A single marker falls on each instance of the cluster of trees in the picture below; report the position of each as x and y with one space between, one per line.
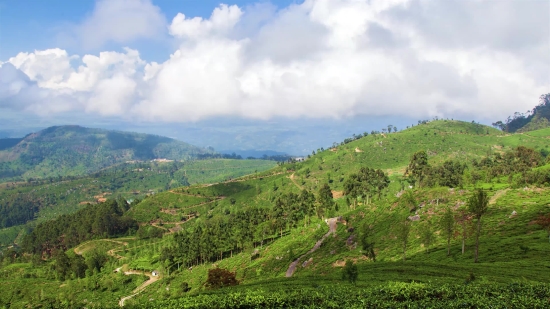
77 266
521 160
18 209
215 238
519 120
367 183
422 174
103 220
477 207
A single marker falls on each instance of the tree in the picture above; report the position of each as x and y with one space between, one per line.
409 201
418 167
325 198
428 237
367 241
219 277
478 206
62 265
403 231
447 225
350 272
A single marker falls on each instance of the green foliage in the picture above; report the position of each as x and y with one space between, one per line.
105 219
478 205
447 225
350 272
367 241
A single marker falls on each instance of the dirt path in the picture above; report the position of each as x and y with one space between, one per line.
497 195
79 252
332 229
177 225
240 180
294 181
139 289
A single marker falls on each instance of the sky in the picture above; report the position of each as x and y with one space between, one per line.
281 75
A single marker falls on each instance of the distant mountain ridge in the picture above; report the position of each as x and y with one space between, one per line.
76 150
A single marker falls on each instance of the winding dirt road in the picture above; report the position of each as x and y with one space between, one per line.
139 289
332 229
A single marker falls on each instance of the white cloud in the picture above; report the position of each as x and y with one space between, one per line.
321 58
120 21
222 20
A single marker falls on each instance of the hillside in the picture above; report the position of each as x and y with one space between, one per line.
289 233
74 150
23 205
535 119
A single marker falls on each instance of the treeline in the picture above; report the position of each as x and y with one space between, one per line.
221 236
366 183
103 220
519 165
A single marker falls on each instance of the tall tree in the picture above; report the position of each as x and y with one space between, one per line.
418 167
367 241
403 231
325 198
478 206
447 225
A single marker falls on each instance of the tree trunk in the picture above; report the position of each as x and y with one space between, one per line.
448 246
404 251
477 238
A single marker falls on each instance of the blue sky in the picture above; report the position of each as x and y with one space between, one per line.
304 73
26 25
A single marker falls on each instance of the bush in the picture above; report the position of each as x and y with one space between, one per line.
219 277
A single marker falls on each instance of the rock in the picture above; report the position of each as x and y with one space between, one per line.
414 218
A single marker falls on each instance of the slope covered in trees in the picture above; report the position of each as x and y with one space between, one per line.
75 150
22 205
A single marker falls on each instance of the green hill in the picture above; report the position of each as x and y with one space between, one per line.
23 205
272 230
75 150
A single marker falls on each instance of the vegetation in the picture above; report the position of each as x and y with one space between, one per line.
409 213
74 150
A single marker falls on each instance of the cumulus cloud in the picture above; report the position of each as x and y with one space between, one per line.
319 59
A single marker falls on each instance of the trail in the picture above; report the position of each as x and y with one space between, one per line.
240 180
497 195
332 229
177 225
79 252
139 289
294 181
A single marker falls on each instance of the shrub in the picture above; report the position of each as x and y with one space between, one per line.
219 277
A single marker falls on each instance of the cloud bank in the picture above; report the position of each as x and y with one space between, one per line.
319 59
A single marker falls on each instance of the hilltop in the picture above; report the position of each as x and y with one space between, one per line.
74 150
376 201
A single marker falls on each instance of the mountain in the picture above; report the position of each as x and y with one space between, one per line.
74 150
535 119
